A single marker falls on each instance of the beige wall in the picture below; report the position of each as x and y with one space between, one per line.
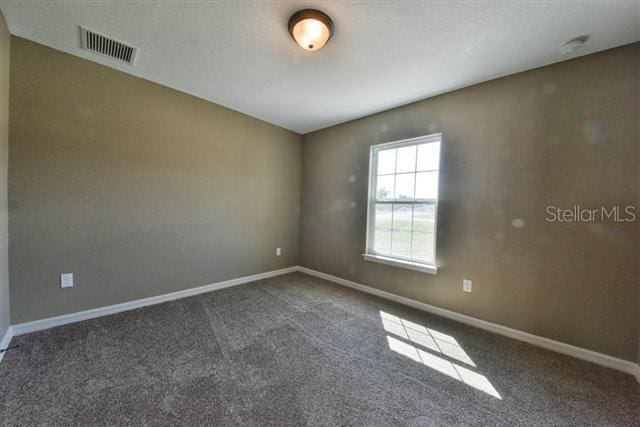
141 190
563 134
4 153
137 189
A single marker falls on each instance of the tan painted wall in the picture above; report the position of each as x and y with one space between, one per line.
141 190
5 41
563 134
136 188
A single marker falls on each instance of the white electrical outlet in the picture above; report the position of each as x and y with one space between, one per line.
278 251
467 285
66 280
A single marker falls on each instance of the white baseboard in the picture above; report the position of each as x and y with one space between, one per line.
39 325
557 346
580 353
6 341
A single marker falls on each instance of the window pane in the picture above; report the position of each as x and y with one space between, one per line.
429 156
382 241
402 217
426 185
386 161
404 186
424 217
401 243
383 216
384 190
406 159
422 247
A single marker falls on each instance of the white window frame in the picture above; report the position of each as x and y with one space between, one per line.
370 254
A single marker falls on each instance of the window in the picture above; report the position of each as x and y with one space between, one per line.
403 203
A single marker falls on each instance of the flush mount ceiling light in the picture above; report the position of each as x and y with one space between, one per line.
310 28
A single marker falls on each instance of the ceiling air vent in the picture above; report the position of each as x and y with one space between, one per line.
107 46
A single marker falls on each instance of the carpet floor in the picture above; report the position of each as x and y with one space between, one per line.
297 350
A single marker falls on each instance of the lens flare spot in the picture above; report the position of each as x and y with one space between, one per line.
518 223
593 131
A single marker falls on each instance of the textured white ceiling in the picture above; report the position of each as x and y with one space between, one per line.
383 54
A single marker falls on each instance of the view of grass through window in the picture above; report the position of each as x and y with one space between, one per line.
405 200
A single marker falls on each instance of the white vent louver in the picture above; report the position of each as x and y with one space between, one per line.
107 46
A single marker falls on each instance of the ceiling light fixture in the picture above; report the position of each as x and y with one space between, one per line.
310 28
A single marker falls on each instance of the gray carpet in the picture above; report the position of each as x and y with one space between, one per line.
296 350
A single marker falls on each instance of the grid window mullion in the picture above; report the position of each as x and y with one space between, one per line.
403 202
392 229
395 176
413 207
411 241
411 233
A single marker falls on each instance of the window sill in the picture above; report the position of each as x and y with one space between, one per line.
425 268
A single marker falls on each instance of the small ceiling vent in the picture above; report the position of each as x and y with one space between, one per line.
107 46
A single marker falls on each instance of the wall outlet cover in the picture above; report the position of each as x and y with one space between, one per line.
467 285
66 280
